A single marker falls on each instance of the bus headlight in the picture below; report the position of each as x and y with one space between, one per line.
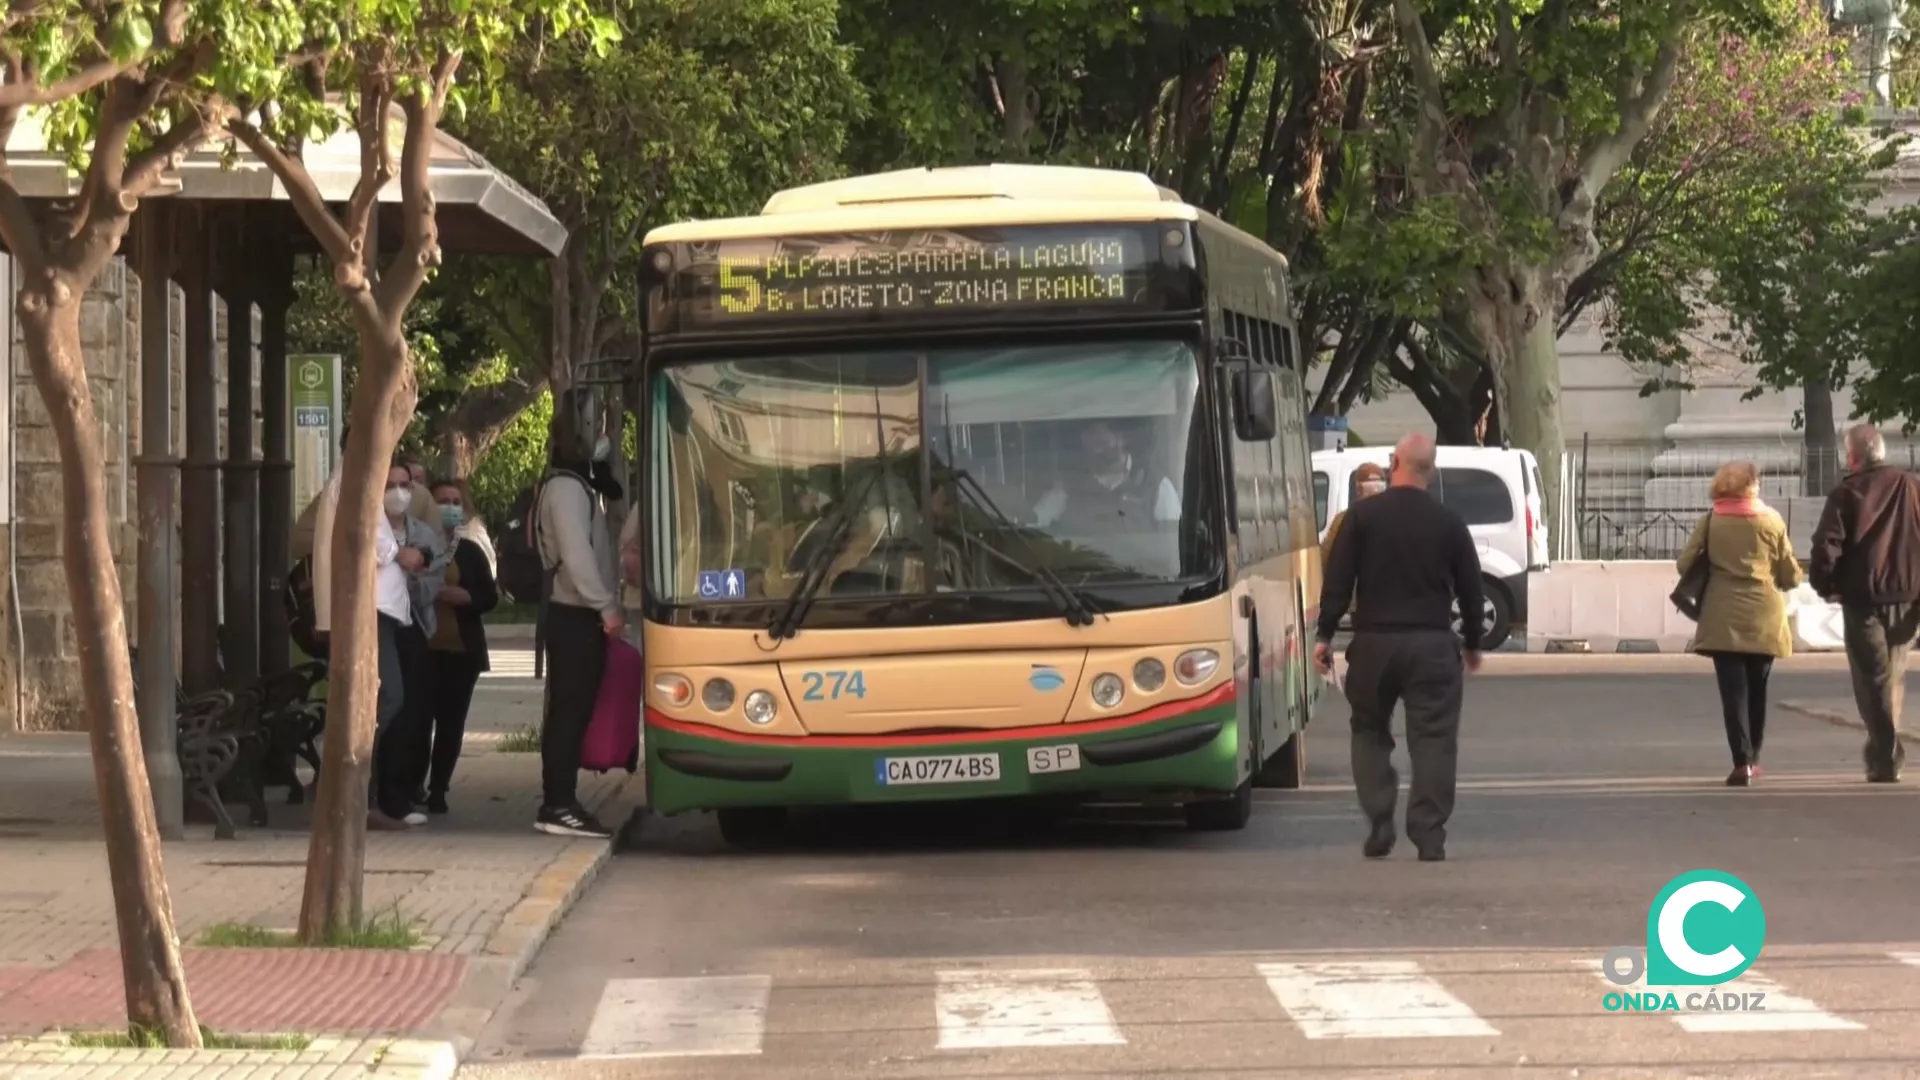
761 708
717 695
1149 675
1196 666
1107 691
677 690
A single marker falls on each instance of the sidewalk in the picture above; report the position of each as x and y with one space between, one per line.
479 885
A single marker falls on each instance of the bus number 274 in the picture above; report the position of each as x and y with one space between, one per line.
843 684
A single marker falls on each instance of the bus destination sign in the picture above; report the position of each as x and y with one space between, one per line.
920 272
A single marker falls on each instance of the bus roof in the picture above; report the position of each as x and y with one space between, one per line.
957 196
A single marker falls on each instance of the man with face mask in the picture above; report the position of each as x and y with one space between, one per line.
1110 485
582 612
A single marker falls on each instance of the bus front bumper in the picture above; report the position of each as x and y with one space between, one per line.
1195 750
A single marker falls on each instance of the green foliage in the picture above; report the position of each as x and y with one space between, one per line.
1749 155
515 460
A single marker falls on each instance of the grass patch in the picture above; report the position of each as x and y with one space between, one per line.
138 1038
387 931
524 741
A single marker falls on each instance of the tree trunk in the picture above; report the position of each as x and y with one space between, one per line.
156 984
1822 469
478 420
1513 322
383 401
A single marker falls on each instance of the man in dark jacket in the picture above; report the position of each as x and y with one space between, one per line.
1404 560
1866 558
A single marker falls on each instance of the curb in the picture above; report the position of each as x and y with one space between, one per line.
53 1057
511 948
1838 719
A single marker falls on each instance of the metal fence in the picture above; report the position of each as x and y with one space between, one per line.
1633 501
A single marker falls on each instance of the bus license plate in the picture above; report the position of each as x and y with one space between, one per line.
946 769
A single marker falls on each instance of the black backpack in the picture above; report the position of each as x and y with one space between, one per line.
523 573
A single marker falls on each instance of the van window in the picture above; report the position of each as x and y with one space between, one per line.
1477 495
1321 485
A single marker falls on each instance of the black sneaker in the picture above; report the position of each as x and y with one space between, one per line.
570 821
437 803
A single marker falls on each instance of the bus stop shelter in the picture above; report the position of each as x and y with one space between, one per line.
228 230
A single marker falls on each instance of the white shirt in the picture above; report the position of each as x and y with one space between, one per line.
389 577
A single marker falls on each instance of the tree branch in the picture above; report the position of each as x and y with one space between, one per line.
376 168
1431 123
301 192
145 170
1637 111
419 234
29 92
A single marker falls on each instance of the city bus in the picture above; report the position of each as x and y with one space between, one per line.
972 483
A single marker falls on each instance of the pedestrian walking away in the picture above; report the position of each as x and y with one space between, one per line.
1866 558
1403 559
582 613
1749 568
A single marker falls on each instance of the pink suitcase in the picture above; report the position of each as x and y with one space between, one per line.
613 736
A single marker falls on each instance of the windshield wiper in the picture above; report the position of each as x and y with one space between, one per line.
838 522
1078 609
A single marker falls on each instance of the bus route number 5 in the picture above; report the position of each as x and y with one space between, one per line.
844 684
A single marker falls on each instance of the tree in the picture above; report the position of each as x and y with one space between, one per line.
379 57
1520 118
710 107
1820 291
124 91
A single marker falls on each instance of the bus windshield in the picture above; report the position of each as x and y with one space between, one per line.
952 470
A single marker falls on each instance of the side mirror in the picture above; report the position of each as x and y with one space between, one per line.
1255 412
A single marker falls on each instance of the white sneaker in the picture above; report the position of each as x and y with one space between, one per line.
416 818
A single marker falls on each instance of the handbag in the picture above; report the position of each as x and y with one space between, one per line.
1690 595
612 738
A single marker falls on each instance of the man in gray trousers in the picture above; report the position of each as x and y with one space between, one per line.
1866 558
1404 558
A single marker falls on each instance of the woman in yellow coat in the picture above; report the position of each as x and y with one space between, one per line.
1743 619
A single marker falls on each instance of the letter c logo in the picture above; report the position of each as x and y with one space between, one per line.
1673 933
1740 922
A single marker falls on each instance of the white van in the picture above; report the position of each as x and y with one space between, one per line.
1497 491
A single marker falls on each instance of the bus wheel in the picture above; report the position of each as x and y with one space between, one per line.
752 826
1222 815
1287 768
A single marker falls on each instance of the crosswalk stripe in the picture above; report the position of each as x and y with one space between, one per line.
1780 1011
704 1016
979 1009
1379 999
1783 1012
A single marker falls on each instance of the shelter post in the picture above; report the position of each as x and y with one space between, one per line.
200 482
240 638
159 519
275 294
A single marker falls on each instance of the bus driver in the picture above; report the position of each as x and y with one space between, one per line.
1109 483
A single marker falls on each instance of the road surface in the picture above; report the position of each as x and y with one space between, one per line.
942 946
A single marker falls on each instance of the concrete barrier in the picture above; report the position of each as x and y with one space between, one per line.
1622 606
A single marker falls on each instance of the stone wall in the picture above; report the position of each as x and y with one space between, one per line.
46 684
